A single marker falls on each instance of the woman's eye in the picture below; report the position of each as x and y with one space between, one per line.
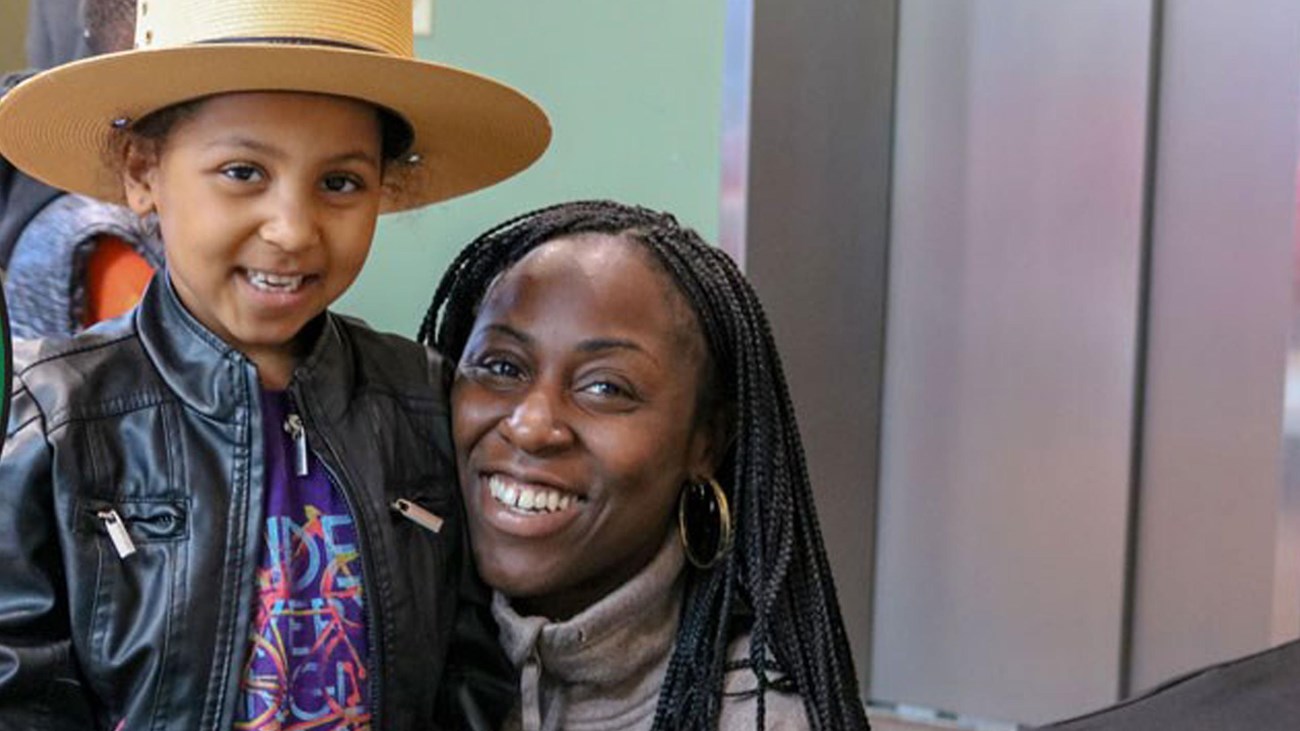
342 183
494 370
242 173
609 392
503 368
604 388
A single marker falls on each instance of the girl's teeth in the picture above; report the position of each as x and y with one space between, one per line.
528 498
275 282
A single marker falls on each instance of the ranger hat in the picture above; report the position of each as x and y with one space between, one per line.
468 131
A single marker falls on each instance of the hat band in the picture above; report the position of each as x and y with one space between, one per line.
293 41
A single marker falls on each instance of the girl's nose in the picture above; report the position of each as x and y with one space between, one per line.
533 425
291 225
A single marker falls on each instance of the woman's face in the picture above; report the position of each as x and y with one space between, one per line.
574 411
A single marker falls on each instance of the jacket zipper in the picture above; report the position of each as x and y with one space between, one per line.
373 611
117 532
293 425
424 518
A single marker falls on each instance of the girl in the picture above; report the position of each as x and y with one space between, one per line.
635 483
233 508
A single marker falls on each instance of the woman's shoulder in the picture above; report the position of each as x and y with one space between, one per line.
394 357
783 710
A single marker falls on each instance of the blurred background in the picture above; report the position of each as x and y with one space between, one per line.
1032 266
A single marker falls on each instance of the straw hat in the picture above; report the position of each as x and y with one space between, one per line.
469 131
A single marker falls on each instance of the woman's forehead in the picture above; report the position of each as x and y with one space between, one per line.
602 280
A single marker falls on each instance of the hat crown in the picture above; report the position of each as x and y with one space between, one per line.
376 25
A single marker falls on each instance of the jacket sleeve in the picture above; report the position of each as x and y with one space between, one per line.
39 684
480 685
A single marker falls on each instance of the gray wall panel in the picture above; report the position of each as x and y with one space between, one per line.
1015 261
1225 196
818 218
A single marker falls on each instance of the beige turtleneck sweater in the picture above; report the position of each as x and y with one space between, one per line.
601 670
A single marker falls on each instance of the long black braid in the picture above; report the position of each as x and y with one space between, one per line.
776 582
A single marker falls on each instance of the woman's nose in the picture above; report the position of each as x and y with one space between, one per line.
534 426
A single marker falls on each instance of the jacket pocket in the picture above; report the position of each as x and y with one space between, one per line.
145 521
136 602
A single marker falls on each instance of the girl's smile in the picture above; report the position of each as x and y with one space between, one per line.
267 204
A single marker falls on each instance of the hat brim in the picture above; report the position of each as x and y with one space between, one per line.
469 131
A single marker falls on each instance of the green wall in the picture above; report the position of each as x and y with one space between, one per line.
633 90
13 32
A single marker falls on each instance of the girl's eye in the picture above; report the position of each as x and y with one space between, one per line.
342 183
242 172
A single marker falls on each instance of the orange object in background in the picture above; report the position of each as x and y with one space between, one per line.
115 279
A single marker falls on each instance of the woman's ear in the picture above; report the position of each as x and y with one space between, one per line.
139 177
711 441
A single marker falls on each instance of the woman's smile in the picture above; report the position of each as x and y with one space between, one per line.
526 509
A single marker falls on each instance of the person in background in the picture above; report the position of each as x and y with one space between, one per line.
634 481
70 260
1259 692
233 508
56 33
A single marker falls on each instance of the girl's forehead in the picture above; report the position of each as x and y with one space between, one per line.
308 123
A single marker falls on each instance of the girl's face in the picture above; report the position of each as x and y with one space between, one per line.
267 204
574 421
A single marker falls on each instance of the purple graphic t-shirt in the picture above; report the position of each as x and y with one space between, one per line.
306 664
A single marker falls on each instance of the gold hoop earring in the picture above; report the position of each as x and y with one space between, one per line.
704 522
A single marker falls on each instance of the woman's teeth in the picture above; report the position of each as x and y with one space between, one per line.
528 498
268 282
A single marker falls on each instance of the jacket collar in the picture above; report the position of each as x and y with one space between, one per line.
214 378
617 640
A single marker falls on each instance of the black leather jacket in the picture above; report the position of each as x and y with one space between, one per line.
155 418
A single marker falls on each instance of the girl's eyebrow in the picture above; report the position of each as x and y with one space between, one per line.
272 151
246 142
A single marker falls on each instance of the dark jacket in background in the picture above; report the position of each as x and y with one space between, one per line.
54 36
21 197
54 33
1260 692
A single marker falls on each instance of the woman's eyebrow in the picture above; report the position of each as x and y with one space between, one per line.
591 345
510 332
597 344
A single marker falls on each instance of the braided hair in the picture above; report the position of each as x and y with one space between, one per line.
776 582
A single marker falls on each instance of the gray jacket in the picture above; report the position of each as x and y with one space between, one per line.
602 669
45 283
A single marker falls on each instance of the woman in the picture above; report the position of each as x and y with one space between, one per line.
619 413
